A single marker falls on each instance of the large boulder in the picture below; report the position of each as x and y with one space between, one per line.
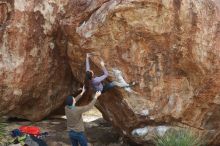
35 75
169 47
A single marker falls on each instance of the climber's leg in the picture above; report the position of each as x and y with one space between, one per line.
107 87
123 85
111 85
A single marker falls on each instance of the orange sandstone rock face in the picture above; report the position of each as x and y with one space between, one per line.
34 73
169 47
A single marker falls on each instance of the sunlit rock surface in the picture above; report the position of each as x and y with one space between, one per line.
34 73
170 48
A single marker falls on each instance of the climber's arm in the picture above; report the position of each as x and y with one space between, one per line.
87 62
105 75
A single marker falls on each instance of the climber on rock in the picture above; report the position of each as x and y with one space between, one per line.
96 82
75 126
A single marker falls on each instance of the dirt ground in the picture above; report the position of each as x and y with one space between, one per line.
98 131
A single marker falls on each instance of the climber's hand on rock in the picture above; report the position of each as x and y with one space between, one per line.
102 63
88 55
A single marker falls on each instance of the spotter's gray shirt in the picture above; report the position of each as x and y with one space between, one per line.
74 116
